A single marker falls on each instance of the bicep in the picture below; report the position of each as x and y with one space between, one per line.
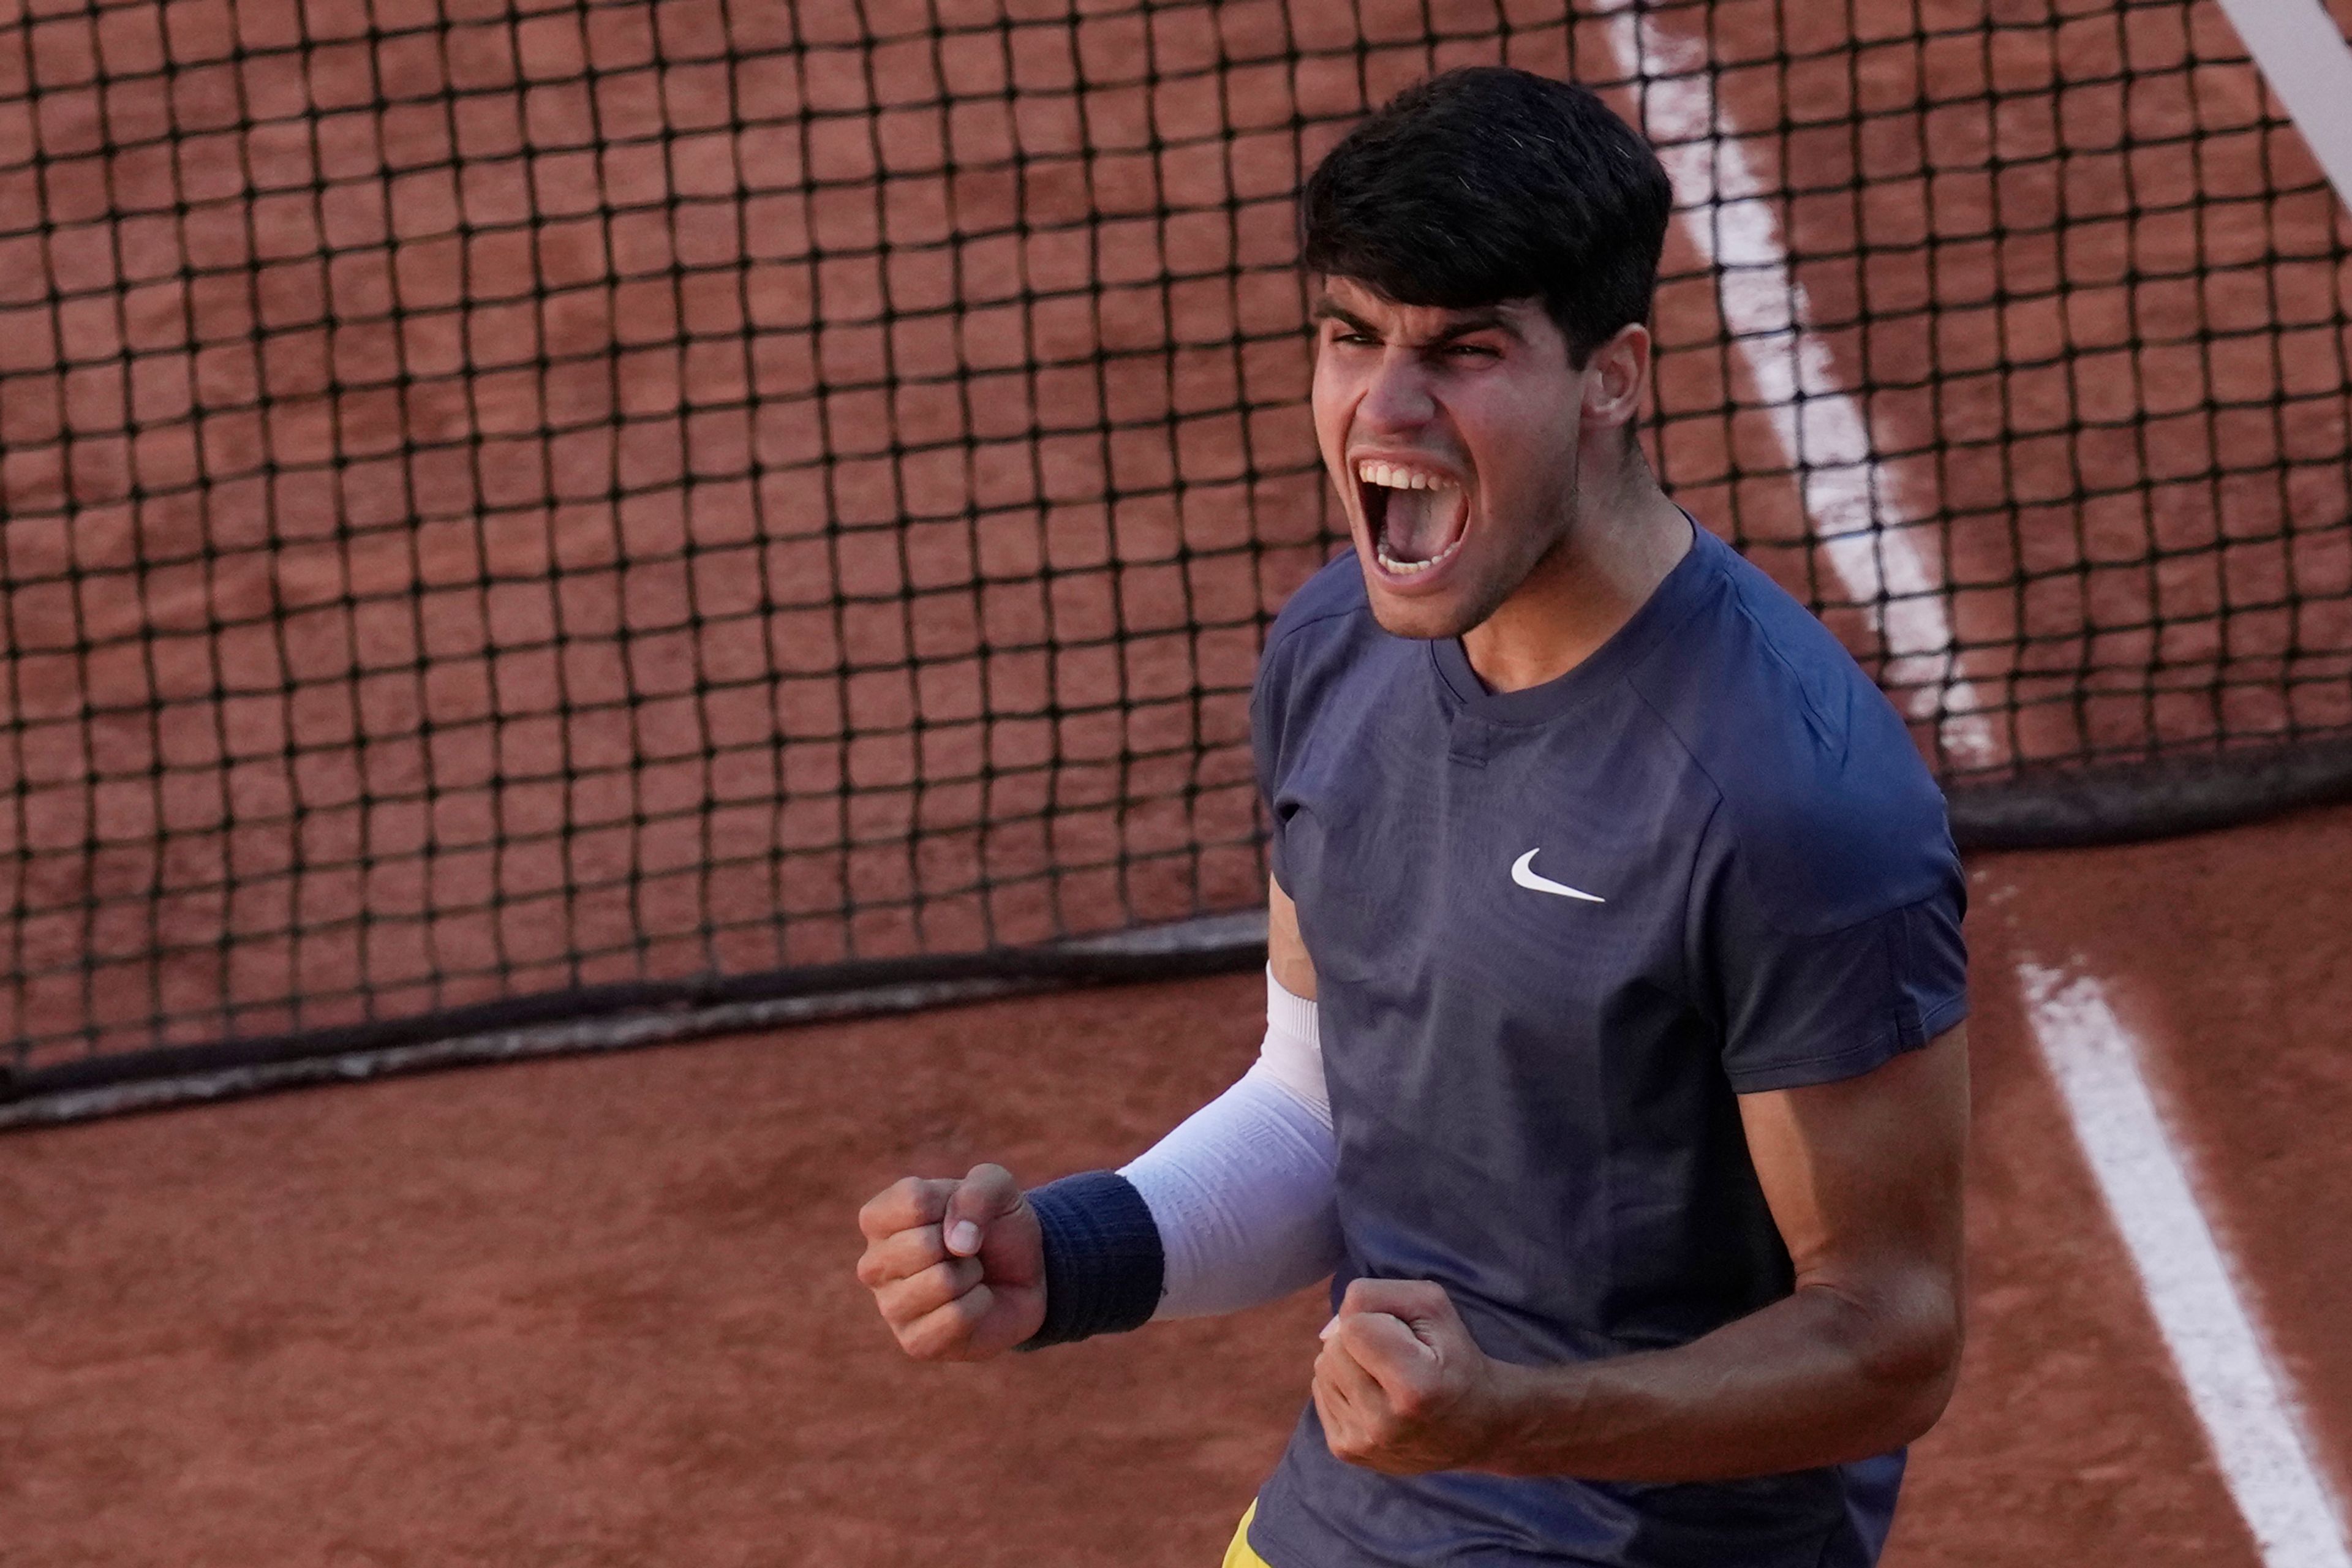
1864 1175
1285 950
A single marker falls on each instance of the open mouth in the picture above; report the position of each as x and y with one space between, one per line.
1418 518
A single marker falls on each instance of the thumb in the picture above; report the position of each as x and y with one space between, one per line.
1410 1299
1383 1344
984 1197
1421 1303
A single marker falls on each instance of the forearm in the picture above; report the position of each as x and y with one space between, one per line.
1819 1377
1243 1192
1242 1197
1235 1207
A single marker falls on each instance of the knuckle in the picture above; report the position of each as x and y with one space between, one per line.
927 1337
899 1302
933 1286
890 1209
924 1291
879 1269
891 1304
992 1188
895 1321
944 1334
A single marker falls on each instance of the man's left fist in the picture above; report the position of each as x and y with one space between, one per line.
1400 1385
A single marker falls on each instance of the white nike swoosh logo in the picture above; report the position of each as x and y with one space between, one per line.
1523 873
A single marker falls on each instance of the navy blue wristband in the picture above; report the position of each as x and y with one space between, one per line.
1103 1262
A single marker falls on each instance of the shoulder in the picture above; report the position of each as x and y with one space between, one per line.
1326 620
1827 812
1335 593
1326 676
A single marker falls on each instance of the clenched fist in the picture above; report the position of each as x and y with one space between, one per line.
958 1268
1400 1385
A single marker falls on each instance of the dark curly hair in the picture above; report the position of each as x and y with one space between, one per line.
1490 183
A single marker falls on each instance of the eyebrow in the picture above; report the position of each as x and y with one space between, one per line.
1486 318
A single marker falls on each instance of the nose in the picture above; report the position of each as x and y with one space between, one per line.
1398 397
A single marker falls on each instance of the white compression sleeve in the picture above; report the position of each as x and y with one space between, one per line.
1242 1191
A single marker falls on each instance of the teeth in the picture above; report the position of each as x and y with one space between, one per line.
1407 568
1395 477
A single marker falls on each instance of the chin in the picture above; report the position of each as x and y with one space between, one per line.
1439 610
1417 618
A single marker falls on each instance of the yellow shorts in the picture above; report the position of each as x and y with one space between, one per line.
1239 1556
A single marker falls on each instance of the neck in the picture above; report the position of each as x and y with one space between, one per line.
1611 557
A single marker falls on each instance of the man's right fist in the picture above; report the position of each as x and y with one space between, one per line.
958 1268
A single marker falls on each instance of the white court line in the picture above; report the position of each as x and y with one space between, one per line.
1849 495
2303 55
2235 1385
2238 1393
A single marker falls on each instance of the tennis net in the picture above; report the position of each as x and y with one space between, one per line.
522 512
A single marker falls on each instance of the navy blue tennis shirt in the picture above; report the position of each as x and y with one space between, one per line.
1556 932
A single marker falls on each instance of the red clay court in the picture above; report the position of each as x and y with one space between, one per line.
600 1310
531 528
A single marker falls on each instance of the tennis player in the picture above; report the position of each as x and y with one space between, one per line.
1613 1069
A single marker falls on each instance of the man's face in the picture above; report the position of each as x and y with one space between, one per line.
1451 437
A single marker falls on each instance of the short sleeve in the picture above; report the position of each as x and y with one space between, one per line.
1795 1005
1308 642
1265 749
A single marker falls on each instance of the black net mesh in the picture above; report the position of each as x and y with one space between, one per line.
507 499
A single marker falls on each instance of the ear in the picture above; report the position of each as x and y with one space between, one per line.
1617 377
